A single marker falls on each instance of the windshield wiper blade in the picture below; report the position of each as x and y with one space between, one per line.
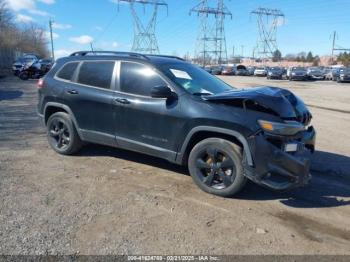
201 94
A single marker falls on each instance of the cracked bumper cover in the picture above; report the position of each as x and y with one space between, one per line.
276 169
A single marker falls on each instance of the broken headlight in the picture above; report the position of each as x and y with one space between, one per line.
287 128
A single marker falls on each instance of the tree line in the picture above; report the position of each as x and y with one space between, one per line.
21 38
300 57
344 58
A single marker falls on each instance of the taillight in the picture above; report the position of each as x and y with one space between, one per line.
40 83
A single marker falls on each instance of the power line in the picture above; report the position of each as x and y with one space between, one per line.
334 48
144 36
267 22
211 41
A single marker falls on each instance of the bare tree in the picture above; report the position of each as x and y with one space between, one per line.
32 39
15 38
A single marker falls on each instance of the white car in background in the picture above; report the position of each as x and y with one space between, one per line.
260 71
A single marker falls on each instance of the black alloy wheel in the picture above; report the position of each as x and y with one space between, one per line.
215 168
215 165
62 134
59 134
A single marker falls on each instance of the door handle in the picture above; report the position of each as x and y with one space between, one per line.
72 92
122 100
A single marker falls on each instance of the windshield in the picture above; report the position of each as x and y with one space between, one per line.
299 69
194 79
45 61
275 69
25 60
315 69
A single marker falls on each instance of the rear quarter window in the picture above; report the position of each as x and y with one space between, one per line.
97 74
67 71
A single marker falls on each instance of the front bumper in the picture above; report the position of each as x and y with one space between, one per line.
275 76
16 70
299 77
260 74
316 77
276 169
344 78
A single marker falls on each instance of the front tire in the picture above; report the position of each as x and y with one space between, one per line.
62 134
215 165
24 75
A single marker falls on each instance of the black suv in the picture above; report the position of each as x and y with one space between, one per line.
166 107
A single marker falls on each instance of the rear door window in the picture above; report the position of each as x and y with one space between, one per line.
67 71
97 74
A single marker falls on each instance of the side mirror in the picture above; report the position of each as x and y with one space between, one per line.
161 92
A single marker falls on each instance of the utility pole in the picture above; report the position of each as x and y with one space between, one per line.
334 48
144 36
51 36
233 51
267 22
242 46
333 45
211 40
92 48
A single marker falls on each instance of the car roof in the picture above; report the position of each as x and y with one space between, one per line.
130 56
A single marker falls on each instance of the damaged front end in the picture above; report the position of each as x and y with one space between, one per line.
280 149
281 162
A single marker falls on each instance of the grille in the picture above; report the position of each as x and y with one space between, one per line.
305 118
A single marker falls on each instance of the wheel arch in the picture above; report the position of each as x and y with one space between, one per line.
54 107
197 134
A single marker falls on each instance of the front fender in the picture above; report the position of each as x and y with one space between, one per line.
180 155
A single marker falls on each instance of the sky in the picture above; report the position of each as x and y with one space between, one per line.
308 25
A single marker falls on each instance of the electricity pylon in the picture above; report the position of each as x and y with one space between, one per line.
211 40
145 40
267 21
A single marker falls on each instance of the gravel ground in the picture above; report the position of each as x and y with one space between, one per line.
110 201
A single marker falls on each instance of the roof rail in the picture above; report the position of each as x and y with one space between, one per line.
169 56
89 53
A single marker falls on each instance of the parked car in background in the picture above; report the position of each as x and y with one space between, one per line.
326 72
27 59
284 71
241 70
298 73
208 69
46 64
333 74
216 70
228 71
251 70
260 71
32 70
344 75
274 73
315 73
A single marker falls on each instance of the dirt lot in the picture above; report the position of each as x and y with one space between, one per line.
109 201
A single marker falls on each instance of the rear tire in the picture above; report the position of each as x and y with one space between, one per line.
215 165
62 134
23 76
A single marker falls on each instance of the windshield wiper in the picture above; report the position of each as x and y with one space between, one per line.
201 94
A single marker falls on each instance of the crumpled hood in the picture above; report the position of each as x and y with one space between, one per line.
18 64
281 101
